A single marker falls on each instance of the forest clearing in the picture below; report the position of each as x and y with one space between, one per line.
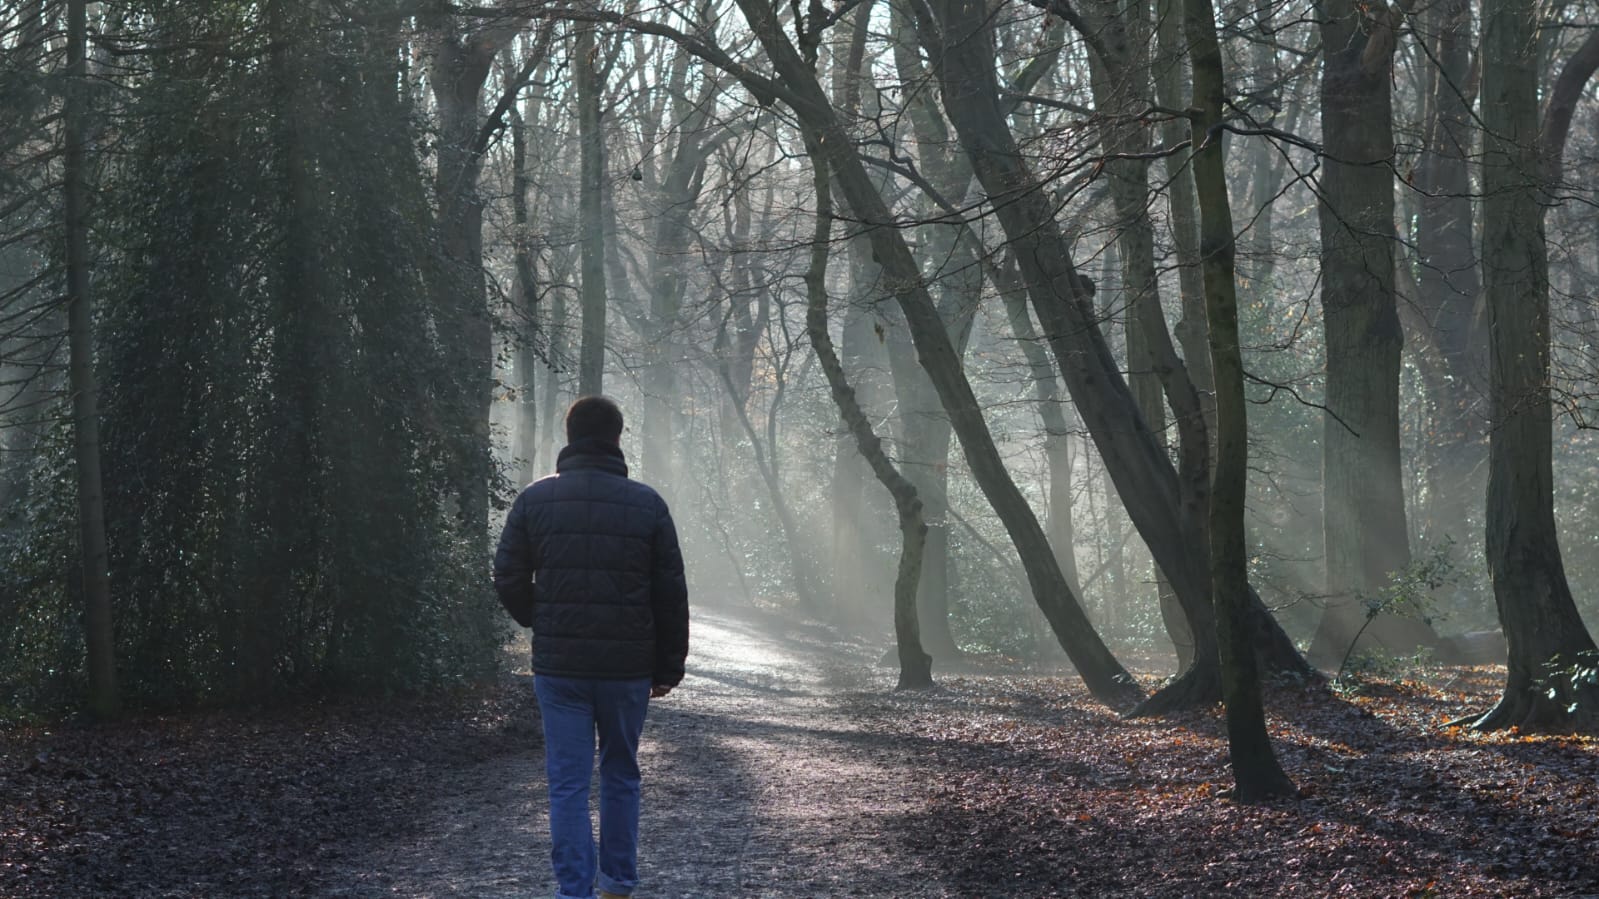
787 766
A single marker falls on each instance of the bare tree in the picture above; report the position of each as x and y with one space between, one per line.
915 665
1364 532
591 148
798 88
1255 767
1540 618
1449 341
464 51
1168 511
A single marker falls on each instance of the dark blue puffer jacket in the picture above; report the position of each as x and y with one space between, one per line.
598 555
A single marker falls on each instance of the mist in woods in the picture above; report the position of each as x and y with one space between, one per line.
1097 431
974 330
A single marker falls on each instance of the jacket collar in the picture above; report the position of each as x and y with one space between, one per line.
592 454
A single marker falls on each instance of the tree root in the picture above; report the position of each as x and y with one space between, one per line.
1263 789
1530 709
915 673
1197 687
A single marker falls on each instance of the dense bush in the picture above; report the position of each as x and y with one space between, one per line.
278 434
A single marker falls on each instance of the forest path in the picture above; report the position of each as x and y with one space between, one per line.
761 778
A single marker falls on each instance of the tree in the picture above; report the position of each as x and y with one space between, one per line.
1540 618
1255 767
1168 511
952 251
1364 531
95 563
462 59
1450 342
280 435
915 665
688 148
591 144
525 288
1121 83
798 88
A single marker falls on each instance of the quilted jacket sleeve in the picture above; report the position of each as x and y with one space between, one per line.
514 566
669 598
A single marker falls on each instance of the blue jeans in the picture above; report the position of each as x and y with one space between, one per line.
574 710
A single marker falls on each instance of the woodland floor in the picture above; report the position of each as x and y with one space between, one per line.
788 767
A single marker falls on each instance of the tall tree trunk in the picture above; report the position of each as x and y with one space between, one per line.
1449 286
524 296
95 560
1254 763
1115 596
925 438
1540 619
1365 538
665 276
460 67
559 349
739 332
1101 673
591 149
915 665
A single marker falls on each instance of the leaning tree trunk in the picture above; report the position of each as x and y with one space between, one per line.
1540 619
103 700
915 665
1101 673
1168 512
1255 768
1121 84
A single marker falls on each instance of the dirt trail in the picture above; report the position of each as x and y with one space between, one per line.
759 781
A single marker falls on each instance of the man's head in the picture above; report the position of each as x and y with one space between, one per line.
594 418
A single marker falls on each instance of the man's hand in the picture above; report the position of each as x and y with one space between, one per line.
659 690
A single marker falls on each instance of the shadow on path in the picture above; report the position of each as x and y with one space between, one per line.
758 782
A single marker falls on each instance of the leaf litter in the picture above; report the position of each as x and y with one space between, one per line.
1000 783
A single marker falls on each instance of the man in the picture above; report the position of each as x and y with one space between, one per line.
590 559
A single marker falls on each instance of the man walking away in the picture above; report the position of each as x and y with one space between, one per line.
591 559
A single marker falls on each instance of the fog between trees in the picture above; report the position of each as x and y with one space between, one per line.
1291 342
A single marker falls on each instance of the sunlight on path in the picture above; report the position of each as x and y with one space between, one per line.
756 784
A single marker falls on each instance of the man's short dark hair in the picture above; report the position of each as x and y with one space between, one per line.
594 418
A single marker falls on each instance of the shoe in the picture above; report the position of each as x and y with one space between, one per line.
608 895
